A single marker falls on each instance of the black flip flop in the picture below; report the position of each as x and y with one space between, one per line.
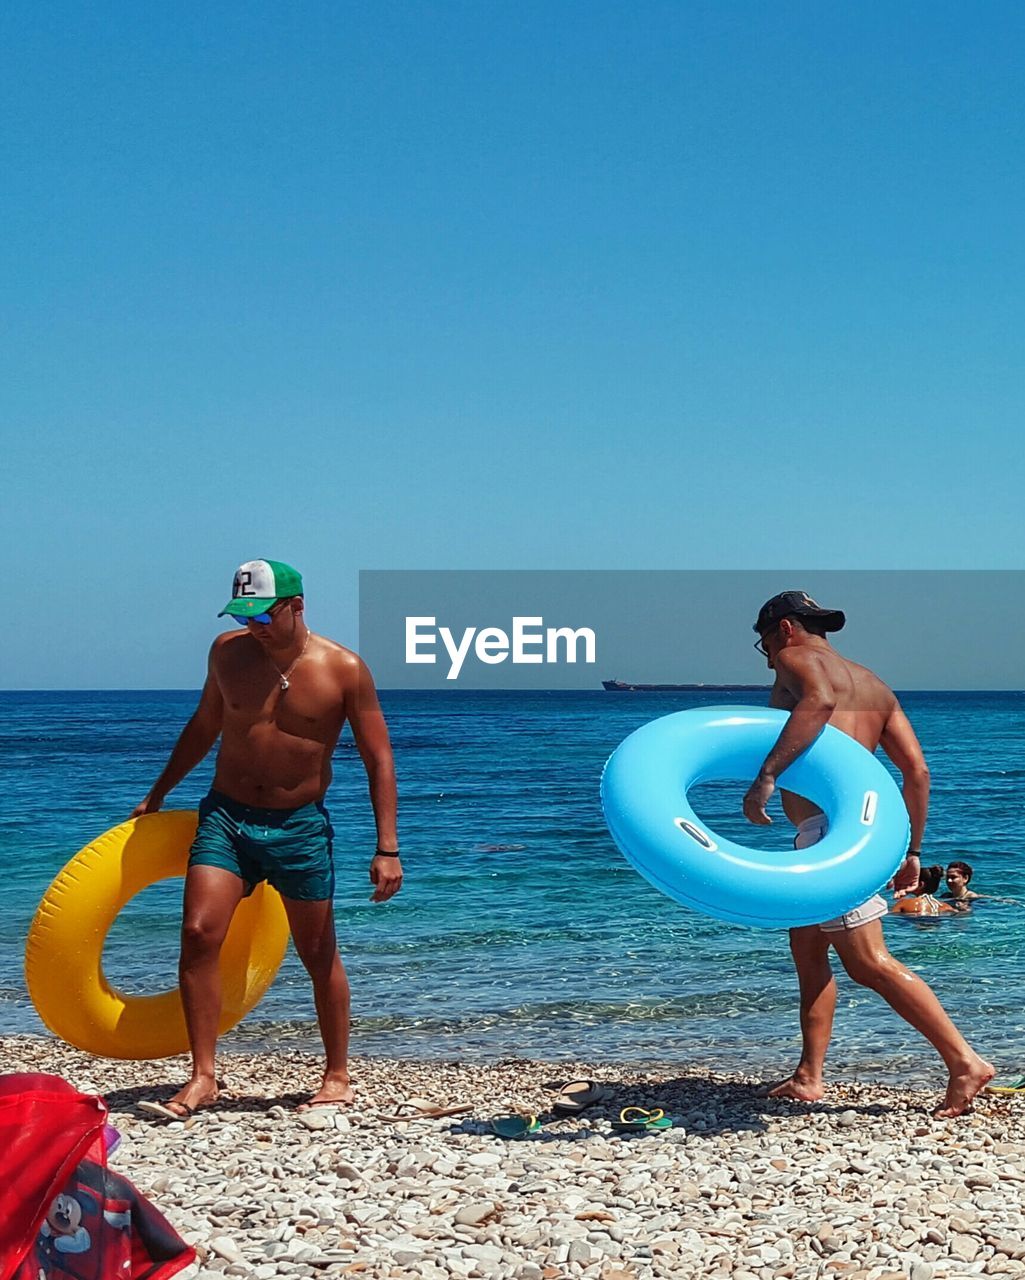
165 1112
578 1095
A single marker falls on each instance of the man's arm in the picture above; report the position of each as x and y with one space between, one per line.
196 739
371 735
901 744
802 677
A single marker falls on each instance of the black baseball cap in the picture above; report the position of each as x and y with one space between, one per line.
796 604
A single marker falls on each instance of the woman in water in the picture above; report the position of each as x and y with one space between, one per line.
958 876
924 903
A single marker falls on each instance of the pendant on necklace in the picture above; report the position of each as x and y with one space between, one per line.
284 684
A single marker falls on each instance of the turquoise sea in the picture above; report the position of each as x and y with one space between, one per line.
521 931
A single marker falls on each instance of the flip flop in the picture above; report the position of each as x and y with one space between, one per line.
1013 1086
641 1120
164 1111
339 1105
516 1126
578 1095
423 1110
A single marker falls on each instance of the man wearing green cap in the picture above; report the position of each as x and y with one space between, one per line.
277 696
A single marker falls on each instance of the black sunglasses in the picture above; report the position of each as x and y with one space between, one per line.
760 642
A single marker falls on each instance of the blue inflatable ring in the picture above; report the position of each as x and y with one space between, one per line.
644 790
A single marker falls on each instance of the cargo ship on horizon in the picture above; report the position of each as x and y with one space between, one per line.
622 686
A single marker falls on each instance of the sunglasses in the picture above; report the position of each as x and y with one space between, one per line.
760 642
259 617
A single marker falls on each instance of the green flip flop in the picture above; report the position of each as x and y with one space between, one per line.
515 1126
641 1120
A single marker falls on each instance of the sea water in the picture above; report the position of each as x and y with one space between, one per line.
521 931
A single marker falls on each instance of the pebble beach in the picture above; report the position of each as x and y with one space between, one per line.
864 1185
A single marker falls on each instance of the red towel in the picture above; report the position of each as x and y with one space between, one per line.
63 1214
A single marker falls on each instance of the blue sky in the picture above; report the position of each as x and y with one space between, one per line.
456 285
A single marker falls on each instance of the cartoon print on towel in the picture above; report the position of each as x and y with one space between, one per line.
100 1228
80 1240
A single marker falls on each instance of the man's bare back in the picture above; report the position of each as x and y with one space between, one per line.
864 707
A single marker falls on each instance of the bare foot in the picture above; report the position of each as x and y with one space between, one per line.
962 1088
201 1091
798 1089
333 1092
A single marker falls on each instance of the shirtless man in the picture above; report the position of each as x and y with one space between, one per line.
819 687
278 696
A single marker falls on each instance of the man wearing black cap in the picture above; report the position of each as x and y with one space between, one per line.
819 687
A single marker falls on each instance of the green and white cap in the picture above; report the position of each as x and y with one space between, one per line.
258 585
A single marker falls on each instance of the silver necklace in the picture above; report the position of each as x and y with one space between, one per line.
283 675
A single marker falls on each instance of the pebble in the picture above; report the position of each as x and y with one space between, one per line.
965 1248
483 1252
316 1119
866 1187
472 1214
226 1248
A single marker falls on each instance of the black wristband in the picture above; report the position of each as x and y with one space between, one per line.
384 853
913 853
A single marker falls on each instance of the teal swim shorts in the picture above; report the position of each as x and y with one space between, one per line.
289 848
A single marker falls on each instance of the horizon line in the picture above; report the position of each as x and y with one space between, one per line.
714 687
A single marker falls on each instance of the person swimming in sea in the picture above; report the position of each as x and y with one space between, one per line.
924 902
958 877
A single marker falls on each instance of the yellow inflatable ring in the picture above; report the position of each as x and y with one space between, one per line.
64 952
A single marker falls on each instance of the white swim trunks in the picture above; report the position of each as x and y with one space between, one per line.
810 832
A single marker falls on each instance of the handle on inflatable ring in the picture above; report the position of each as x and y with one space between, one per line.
644 790
64 951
